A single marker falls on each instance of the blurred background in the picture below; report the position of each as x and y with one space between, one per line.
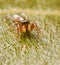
31 4
29 49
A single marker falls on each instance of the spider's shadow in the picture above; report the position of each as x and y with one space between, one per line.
27 38
28 35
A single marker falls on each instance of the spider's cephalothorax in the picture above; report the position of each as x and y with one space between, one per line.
23 24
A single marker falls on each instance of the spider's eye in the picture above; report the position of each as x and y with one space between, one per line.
16 16
21 19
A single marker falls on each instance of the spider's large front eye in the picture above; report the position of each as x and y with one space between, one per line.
21 19
16 16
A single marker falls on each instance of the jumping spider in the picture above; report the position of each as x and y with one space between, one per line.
24 25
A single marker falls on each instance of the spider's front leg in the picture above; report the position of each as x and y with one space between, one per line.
38 30
18 30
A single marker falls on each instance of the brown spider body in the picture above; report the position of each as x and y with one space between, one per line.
24 25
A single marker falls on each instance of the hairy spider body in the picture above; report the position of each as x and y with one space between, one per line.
24 25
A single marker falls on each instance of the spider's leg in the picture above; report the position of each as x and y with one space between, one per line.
9 27
38 30
18 30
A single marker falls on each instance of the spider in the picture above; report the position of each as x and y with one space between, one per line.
24 25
